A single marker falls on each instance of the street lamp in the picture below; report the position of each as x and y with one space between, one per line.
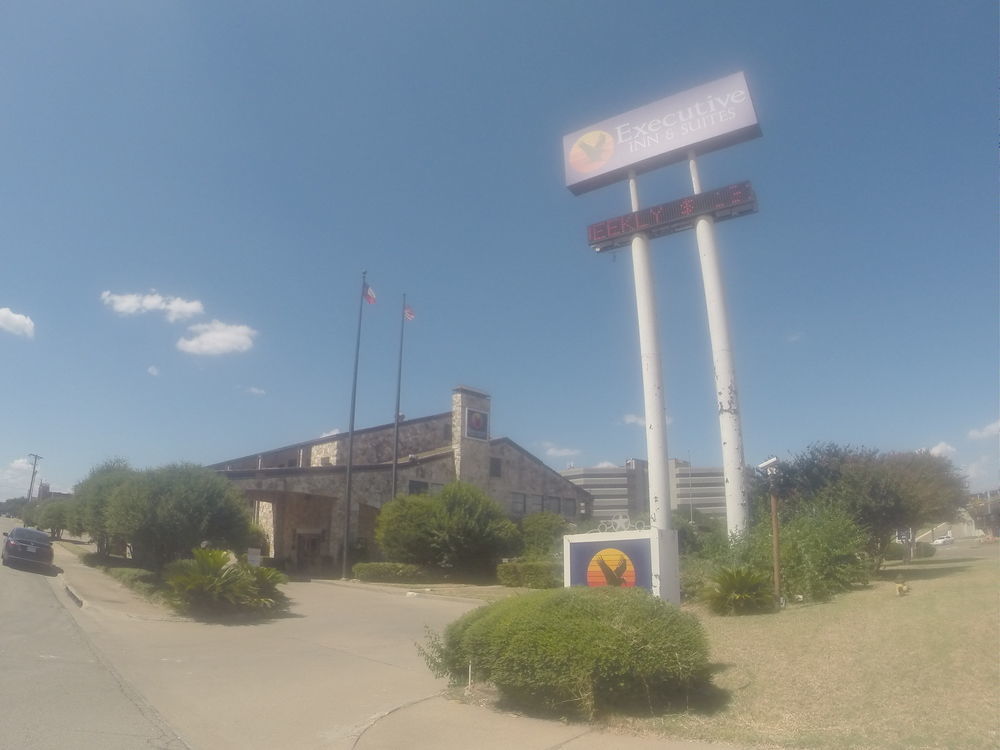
770 466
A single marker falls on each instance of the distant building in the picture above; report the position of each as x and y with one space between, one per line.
624 490
45 493
617 490
297 492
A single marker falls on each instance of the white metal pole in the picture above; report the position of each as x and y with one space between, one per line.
733 465
666 583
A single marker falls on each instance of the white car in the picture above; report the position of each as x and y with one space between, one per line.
943 540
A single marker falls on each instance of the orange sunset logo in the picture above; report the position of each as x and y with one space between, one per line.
591 151
611 567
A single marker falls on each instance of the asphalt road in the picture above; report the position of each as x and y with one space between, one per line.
56 691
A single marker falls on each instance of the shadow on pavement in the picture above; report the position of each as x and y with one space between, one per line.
50 571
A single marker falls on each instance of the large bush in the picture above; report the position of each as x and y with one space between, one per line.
165 512
460 529
576 650
822 552
92 496
405 529
543 533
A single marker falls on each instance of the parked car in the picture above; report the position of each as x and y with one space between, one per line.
27 545
943 540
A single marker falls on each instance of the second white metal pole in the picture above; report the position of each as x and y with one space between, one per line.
666 583
730 426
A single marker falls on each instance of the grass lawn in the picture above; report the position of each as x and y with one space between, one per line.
868 669
146 583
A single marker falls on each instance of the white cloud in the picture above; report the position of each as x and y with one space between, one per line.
217 338
19 325
983 473
175 308
942 449
153 370
554 451
14 478
989 431
794 338
254 391
334 431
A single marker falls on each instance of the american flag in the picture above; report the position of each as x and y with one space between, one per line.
369 295
408 312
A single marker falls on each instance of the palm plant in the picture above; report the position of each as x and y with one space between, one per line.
738 591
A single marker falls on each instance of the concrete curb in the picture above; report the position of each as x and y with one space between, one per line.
73 595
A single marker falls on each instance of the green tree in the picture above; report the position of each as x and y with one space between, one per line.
881 492
93 494
460 528
543 533
164 513
54 516
473 533
405 530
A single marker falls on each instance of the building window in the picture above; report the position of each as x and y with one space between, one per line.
496 467
568 508
534 504
518 504
417 487
447 431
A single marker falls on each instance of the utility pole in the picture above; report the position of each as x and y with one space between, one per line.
34 470
771 468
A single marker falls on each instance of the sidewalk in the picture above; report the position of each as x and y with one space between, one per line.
341 673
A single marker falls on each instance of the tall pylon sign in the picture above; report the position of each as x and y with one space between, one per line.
671 130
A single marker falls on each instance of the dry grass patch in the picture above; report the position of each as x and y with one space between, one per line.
869 669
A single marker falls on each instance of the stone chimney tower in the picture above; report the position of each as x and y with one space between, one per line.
470 435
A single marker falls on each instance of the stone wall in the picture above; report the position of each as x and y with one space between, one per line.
520 473
374 445
472 454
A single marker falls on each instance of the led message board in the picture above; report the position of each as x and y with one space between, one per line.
675 216
696 121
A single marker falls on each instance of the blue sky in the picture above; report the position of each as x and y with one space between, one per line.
190 192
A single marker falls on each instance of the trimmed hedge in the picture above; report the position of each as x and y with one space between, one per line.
532 574
389 572
576 650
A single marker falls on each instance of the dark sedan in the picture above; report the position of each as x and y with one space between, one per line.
27 545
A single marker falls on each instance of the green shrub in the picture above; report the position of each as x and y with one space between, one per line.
532 574
388 572
542 533
460 529
576 651
165 512
823 552
695 575
739 591
212 582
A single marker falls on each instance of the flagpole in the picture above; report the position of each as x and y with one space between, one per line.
350 428
399 388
